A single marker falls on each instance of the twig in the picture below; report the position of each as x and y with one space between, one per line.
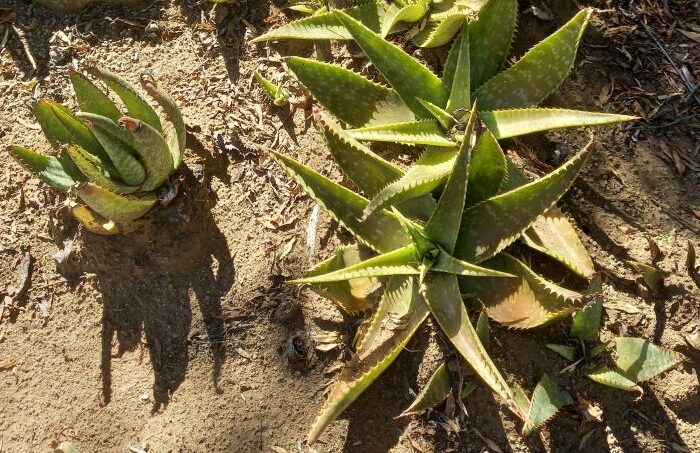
25 47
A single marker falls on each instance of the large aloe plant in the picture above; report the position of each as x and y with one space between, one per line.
113 164
430 253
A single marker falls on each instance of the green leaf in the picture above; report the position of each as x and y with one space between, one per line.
409 78
382 232
153 149
639 360
350 296
442 295
486 171
326 25
373 358
490 226
368 171
403 261
422 132
92 99
443 225
586 322
62 128
490 36
435 391
568 352
460 88
538 73
410 12
349 96
47 168
482 328
547 400
445 119
611 378
436 34
127 166
119 208
175 133
523 303
451 265
137 106
521 399
428 173
515 122
553 235
54 130
66 447
94 172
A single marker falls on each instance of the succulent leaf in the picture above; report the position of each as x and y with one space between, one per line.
547 400
137 106
368 171
409 12
94 222
350 296
539 72
586 322
443 225
409 78
94 172
482 328
640 360
92 99
429 172
451 265
326 25
490 226
349 96
436 34
435 391
382 232
59 124
490 36
442 295
553 235
421 132
515 122
49 169
127 166
403 261
118 208
372 359
460 88
445 119
487 170
154 152
176 135
612 378
568 352
523 303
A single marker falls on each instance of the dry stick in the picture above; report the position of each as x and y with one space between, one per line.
25 47
692 88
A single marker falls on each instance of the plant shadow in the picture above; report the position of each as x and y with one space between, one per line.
148 278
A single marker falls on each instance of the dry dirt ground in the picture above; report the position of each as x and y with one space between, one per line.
184 336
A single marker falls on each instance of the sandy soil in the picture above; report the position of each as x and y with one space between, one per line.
184 337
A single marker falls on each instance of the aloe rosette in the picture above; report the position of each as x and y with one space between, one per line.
428 252
112 165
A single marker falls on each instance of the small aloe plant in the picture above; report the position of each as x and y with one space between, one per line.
113 164
432 254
